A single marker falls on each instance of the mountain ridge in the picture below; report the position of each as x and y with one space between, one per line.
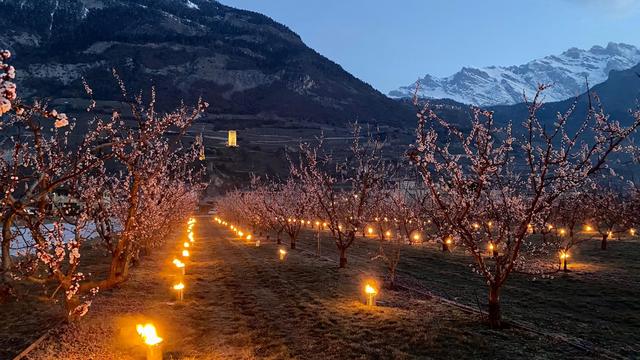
504 85
243 63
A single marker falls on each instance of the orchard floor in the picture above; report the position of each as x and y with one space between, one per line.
241 302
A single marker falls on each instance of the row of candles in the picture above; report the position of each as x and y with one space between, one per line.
148 331
282 253
493 250
369 288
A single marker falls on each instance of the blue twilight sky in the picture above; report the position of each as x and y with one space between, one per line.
391 43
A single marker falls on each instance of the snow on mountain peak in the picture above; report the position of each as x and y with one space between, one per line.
191 5
504 85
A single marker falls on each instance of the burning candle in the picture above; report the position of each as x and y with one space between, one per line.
190 236
151 339
186 244
249 237
180 265
179 287
282 253
564 256
492 250
370 292
185 253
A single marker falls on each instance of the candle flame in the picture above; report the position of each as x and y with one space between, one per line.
178 286
185 253
178 263
186 244
370 289
148 334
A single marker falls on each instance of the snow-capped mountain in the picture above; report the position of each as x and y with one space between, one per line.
498 85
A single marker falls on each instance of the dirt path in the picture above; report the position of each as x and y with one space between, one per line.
241 302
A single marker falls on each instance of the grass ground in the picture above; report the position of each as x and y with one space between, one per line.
597 301
241 302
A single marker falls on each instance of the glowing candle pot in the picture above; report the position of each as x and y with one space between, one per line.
564 259
282 254
185 253
180 265
179 288
371 293
492 250
151 339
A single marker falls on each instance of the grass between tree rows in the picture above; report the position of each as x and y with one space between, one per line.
241 302
596 301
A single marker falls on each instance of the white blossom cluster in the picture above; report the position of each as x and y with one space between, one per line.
7 86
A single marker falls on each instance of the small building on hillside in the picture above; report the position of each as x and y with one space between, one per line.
232 139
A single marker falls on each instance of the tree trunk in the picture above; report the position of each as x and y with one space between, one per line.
603 245
494 307
293 243
343 257
445 247
392 279
7 237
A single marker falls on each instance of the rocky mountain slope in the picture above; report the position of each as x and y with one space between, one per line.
243 63
497 85
619 96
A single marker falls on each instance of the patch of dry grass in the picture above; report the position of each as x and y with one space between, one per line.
596 301
241 302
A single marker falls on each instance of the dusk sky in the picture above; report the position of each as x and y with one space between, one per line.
388 43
